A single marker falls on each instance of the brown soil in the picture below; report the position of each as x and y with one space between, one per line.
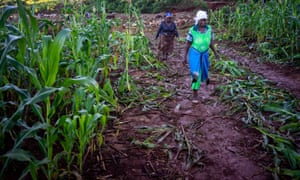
182 140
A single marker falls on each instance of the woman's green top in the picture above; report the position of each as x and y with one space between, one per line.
201 40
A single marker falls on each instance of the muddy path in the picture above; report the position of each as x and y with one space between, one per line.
182 140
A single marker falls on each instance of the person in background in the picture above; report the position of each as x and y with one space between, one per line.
199 40
167 31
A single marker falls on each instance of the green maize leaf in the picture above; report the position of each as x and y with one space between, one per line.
22 49
291 127
28 132
277 138
8 123
82 81
42 143
33 77
296 56
284 52
22 14
100 139
108 88
83 120
31 27
107 93
81 43
41 95
60 96
19 154
7 11
276 108
63 122
32 168
92 122
266 140
14 63
34 27
44 63
291 155
89 82
292 173
96 116
146 143
45 23
53 135
103 122
31 72
52 61
86 129
68 131
13 29
23 93
38 111
7 48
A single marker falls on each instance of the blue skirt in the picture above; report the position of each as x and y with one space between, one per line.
199 64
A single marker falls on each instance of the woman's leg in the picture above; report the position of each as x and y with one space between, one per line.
194 63
205 67
164 46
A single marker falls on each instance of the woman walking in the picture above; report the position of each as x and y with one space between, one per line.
199 40
167 31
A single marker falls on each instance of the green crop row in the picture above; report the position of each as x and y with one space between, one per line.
272 28
59 84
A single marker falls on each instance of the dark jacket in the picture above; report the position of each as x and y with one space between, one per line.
167 30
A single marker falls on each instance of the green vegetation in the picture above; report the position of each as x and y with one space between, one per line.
272 28
58 86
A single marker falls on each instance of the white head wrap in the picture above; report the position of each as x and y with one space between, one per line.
200 15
